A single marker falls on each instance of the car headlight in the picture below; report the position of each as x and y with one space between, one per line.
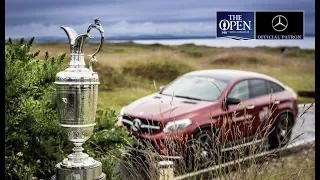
177 125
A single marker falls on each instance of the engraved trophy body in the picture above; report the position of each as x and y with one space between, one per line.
77 97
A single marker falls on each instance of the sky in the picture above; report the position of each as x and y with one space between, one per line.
40 18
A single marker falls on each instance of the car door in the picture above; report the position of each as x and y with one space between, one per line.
237 114
262 106
275 101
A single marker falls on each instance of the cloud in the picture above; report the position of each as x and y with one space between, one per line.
126 17
120 28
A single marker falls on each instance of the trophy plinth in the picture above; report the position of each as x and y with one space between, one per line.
93 172
77 99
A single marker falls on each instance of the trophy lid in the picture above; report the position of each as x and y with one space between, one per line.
77 73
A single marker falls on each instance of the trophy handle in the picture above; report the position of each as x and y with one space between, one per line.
98 26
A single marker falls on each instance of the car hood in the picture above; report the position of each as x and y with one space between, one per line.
165 108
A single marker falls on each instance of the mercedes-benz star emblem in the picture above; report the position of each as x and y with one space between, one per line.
279 23
136 124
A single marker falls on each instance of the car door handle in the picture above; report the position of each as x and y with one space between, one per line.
277 102
250 107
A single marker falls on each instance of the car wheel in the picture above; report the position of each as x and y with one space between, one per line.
200 152
281 131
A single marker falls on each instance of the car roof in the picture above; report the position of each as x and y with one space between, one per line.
230 75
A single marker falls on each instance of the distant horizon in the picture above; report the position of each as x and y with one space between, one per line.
128 37
307 43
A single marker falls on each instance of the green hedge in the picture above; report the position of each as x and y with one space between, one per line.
34 143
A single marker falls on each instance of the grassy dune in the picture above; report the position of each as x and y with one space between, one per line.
129 71
294 166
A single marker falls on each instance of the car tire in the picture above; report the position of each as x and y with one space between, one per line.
200 151
281 131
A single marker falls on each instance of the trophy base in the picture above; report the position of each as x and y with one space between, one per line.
93 172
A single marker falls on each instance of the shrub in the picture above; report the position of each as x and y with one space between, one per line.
196 51
291 51
34 142
163 71
107 142
239 59
109 77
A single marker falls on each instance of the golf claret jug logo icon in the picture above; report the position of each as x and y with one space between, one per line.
279 23
235 25
224 26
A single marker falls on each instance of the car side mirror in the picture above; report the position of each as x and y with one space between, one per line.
230 101
161 88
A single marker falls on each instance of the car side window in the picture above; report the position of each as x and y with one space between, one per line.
258 87
240 91
274 87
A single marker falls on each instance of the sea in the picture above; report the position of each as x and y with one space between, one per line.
306 43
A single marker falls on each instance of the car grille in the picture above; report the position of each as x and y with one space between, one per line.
141 125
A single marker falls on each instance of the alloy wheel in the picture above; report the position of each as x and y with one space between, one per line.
283 129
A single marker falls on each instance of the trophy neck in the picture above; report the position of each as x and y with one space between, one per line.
77 59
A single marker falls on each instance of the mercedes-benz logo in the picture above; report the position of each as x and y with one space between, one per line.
136 124
279 23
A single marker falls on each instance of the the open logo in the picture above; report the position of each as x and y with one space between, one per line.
235 25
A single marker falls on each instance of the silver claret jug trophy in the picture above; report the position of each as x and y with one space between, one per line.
77 97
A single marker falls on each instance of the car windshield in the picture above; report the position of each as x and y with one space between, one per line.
195 87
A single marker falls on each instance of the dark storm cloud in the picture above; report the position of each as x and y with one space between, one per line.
43 18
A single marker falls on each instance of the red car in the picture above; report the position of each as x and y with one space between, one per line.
232 105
